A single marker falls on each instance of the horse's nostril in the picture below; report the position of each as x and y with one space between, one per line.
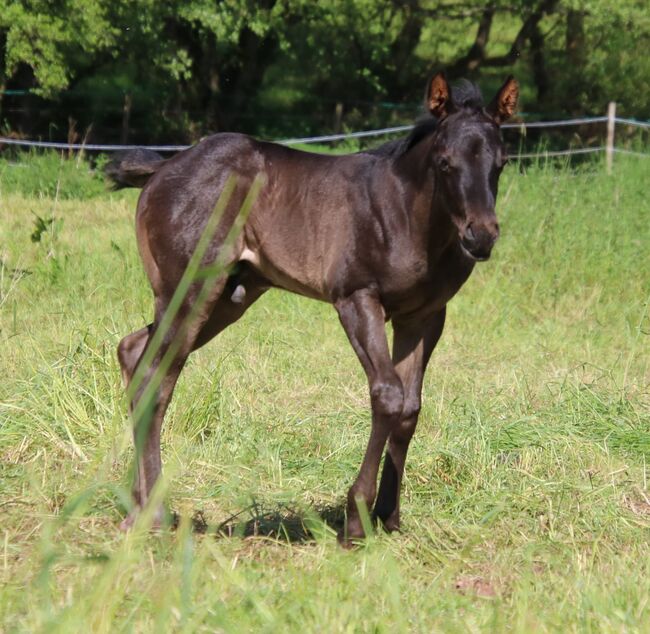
469 233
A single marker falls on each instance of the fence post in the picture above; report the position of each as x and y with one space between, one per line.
611 122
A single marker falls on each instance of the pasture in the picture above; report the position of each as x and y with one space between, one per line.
526 504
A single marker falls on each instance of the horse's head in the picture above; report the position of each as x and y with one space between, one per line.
468 156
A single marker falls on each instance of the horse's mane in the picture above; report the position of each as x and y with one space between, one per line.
465 95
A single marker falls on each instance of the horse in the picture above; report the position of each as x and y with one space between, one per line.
385 234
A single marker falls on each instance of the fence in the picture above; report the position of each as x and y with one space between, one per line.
609 148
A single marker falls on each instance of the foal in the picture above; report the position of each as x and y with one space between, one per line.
388 234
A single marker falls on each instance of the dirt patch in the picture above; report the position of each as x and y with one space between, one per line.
638 503
475 585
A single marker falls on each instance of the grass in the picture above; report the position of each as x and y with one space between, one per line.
526 503
51 175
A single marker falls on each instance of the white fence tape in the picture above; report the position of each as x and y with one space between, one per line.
53 145
584 150
555 124
620 150
633 122
347 135
351 135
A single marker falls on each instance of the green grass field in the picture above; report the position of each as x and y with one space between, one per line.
526 503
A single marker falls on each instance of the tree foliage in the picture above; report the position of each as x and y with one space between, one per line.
179 68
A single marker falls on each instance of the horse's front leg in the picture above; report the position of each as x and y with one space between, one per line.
413 344
363 319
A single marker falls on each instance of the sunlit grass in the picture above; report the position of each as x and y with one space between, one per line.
526 503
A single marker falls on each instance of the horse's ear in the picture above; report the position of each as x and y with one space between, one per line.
438 96
504 103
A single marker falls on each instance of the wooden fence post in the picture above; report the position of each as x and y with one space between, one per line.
611 123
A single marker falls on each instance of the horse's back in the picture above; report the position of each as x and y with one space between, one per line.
310 203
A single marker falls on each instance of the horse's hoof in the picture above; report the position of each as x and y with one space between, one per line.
389 525
157 522
349 537
127 523
346 541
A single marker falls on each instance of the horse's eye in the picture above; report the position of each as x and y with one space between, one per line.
443 164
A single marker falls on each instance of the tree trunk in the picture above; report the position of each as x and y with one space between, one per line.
576 57
242 81
575 38
3 78
529 30
540 75
401 53
477 53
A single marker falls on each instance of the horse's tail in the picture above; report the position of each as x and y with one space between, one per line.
133 168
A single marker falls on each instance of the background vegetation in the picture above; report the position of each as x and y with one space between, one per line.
174 70
526 503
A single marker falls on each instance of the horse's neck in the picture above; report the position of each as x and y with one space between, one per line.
426 211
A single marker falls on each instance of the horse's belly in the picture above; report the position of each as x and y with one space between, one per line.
285 274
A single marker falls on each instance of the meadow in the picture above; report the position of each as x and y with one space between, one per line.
526 504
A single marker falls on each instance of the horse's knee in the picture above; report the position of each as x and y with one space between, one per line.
388 398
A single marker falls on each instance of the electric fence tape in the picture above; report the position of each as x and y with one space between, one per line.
95 147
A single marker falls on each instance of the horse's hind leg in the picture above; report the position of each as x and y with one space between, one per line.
129 352
241 291
165 367
216 315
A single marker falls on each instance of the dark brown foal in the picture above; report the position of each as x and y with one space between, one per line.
387 234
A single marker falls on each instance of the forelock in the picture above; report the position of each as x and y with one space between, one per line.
466 94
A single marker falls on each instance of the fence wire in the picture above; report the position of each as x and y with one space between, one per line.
551 153
620 150
633 122
95 147
58 145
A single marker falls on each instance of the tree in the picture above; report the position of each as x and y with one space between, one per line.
177 69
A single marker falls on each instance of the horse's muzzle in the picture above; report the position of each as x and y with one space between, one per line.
477 240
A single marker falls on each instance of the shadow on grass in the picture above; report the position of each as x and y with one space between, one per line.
281 522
